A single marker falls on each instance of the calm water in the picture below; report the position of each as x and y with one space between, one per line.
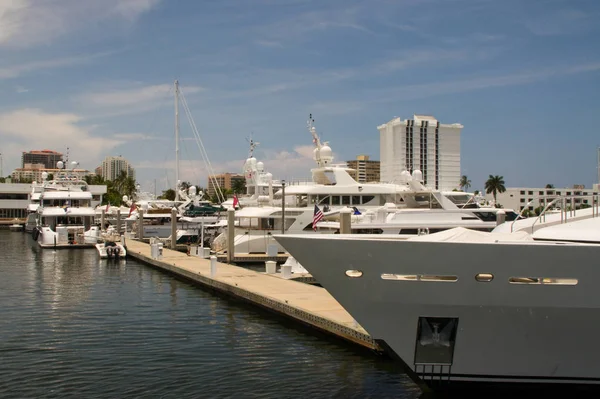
74 326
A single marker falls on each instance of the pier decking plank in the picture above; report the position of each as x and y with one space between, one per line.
309 304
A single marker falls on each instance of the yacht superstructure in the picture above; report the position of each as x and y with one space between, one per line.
65 217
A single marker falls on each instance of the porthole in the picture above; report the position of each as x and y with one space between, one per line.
354 273
484 277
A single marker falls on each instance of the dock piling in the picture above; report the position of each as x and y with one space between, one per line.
118 221
345 222
102 219
140 225
230 235
174 228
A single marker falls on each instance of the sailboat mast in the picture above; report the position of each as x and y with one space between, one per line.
176 140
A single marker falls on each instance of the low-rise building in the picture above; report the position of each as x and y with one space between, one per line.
518 198
33 172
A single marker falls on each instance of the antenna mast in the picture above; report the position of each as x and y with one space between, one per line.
316 139
176 140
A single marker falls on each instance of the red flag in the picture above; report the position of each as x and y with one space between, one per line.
131 209
235 201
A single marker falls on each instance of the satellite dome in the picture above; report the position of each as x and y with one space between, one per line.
44 175
260 166
192 190
417 175
74 163
125 198
326 154
269 177
60 165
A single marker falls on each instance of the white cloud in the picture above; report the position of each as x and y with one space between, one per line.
25 23
34 129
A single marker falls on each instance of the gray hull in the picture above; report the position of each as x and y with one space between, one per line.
494 331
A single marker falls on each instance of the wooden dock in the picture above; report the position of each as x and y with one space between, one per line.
308 304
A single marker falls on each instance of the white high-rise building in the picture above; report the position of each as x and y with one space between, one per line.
421 143
112 167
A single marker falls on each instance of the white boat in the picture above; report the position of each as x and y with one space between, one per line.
332 189
110 246
65 217
15 227
465 307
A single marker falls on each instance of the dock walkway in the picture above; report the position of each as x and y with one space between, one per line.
305 303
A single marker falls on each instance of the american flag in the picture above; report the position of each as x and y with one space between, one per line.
317 216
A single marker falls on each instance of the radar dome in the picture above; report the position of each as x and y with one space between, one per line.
417 175
125 198
260 166
44 175
60 165
74 163
192 190
326 154
269 177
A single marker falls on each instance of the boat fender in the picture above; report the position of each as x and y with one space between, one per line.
35 234
116 252
109 251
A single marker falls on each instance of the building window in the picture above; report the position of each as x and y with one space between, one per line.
522 192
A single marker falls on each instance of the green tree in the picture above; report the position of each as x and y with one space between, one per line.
2 180
495 185
238 186
168 195
549 185
465 183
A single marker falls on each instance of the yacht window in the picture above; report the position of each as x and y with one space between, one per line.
301 200
288 223
484 277
420 277
267 223
323 199
354 273
335 200
356 200
345 200
312 199
543 280
367 198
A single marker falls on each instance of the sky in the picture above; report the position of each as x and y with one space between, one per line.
96 76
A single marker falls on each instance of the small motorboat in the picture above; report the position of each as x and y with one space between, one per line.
111 250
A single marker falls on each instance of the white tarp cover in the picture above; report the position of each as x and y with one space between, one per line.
460 234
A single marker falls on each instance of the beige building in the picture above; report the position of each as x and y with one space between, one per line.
224 181
33 172
47 158
517 198
113 166
366 169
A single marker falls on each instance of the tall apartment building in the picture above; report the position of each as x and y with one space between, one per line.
46 157
224 180
366 169
113 166
421 143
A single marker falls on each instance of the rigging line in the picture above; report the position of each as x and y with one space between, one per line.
201 147
206 160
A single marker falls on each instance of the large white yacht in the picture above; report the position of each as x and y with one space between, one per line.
65 216
462 306
332 189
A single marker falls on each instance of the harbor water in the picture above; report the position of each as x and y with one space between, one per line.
72 325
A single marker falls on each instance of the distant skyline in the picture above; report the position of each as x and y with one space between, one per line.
523 77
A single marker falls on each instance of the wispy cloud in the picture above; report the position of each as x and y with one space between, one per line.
16 70
131 100
25 23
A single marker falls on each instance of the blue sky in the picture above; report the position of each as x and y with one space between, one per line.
96 75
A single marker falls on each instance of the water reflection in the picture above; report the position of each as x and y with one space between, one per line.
71 324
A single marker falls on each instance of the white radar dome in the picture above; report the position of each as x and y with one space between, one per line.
125 198
417 175
260 166
192 190
60 165
44 175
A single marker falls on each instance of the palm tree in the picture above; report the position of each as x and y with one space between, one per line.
238 186
549 185
465 183
494 185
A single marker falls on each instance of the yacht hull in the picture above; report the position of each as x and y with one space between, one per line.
498 331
